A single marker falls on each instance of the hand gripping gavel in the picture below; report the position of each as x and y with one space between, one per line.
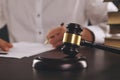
71 44
72 41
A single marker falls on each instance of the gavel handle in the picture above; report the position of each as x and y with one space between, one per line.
100 46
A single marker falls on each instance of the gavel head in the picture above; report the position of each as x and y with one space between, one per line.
71 39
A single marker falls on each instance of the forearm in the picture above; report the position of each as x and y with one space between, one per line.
99 32
96 12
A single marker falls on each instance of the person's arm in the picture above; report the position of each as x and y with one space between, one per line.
5 46
96 11
88 35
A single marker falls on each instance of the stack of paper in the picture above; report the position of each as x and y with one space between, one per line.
25 49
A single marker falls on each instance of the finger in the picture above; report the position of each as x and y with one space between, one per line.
5 49
57 41
58 37
87 35
9 45
5 45
55 32
52 40
58 44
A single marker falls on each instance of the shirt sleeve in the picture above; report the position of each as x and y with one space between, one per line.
99 34
2 19
96 12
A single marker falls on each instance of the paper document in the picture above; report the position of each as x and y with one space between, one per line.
26 49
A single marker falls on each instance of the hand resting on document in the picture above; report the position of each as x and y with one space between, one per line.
5 46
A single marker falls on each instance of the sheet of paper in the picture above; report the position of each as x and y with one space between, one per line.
26 49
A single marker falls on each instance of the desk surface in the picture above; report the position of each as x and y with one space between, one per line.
102 65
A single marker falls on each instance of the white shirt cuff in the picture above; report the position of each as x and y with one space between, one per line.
98 34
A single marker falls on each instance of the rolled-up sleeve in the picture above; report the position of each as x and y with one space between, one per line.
97 14
99 33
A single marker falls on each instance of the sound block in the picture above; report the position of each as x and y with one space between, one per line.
59 63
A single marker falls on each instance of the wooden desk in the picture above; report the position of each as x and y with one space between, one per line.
102 65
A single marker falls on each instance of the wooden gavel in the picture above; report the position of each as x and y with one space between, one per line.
72 41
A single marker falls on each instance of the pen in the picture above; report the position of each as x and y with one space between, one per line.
62 24
47 41
3 53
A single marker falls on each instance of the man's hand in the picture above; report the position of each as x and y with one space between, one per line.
5 46
55 36
87 35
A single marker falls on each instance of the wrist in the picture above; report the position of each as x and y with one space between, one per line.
88 35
